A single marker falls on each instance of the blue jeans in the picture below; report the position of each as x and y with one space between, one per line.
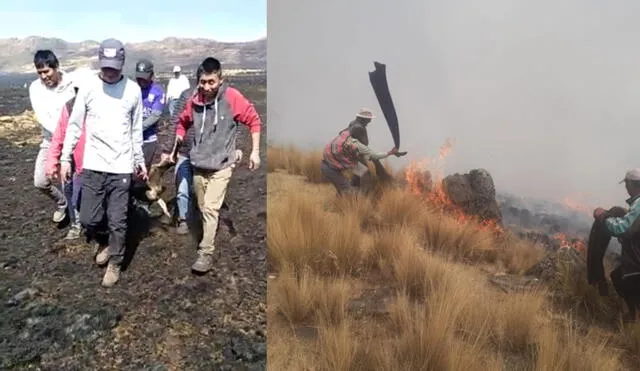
184 187
72 192
172 106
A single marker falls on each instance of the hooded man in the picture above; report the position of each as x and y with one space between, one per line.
214 111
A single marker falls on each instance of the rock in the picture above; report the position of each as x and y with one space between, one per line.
474 193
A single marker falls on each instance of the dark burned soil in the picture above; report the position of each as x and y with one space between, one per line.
54 315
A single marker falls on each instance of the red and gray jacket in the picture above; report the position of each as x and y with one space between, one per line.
215 127
340 153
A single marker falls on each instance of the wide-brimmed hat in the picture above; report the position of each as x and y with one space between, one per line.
365 114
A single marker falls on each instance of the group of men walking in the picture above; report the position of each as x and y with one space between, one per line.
100 136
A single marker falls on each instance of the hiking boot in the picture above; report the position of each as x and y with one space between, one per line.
182 228
111 275
74 232
60 214
103 256
203 263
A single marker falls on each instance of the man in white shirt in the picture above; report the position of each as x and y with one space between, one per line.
111 106
177 84
48 94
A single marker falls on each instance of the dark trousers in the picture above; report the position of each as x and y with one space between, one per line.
628 288
106 195
342 184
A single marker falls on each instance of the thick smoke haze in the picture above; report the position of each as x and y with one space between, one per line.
543 94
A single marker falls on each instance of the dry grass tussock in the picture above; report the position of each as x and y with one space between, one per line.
22 129
388 283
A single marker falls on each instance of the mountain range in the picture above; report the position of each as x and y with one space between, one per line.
16 54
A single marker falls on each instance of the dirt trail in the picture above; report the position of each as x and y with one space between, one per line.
54 314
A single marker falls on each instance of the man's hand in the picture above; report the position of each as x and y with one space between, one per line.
65 171
393 151
141 172
254 160
53 172
598 213
166 158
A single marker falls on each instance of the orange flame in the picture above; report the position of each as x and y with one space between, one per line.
566 243
425 179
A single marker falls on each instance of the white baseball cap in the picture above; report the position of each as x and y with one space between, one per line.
176 69
633 175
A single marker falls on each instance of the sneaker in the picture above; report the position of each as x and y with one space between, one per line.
111 276
60 214
203 263
182 228
74 232
103 256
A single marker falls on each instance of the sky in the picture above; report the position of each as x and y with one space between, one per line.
140 21
543 94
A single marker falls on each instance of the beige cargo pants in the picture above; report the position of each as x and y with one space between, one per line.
210 189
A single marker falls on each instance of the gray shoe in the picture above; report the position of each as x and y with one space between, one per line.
203 263
103 256
60 214
182 228
74 232
111 276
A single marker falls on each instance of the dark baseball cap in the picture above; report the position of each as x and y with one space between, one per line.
111 54
144 69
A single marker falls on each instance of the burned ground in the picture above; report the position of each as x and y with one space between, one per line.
54 315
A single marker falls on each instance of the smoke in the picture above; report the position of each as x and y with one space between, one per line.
543 94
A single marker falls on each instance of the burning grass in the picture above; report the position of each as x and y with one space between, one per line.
398 281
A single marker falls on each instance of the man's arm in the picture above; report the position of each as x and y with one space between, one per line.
74 126
620 226
136 132
366 152
245 113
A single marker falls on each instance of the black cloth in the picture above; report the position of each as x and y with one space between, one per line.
106 195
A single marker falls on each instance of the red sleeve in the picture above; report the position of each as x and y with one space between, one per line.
243 111
57 141
185 119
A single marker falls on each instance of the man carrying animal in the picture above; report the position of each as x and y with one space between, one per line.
152 109
348 152
626 278
214 111
111 107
